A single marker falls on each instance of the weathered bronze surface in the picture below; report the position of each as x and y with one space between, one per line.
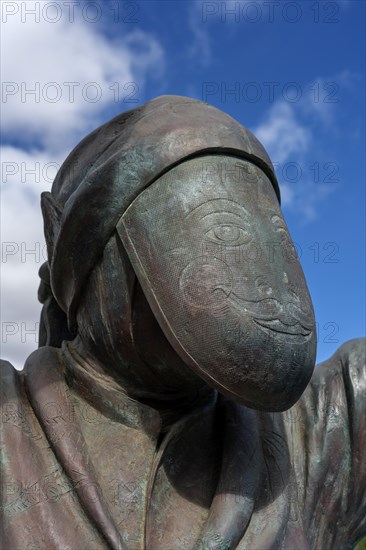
172 403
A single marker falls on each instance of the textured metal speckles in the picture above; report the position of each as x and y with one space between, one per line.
188 237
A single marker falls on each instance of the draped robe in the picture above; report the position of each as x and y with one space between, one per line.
84 466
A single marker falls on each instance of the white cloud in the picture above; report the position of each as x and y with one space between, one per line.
35 54
75 73
200 47
22 248
323 102
290 140
293 132
201 14
282 134
287 195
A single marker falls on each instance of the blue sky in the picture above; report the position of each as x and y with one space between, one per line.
292 72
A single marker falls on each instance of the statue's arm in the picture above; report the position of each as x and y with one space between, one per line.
352 357
10 390
335 431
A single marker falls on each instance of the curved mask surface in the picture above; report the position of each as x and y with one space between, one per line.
212 252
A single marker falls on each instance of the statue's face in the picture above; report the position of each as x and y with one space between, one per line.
214 257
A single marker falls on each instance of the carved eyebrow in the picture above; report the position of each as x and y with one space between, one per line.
229 203
222 212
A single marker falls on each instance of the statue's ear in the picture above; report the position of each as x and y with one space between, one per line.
52 213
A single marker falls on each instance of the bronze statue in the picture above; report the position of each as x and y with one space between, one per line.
172 403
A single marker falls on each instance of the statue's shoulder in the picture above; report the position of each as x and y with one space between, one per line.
7 371
331 420
13 381
348 363
19 426
42 360
338 392
352 355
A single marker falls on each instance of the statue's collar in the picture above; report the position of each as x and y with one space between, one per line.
106 395
45 375
109 397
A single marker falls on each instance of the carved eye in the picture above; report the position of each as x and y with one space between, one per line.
229 234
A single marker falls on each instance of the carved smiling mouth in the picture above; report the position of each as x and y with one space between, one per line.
296 329
275 325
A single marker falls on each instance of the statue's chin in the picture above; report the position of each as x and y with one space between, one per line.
266 402
263 398
269 378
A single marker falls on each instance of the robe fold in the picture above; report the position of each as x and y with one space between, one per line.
84 466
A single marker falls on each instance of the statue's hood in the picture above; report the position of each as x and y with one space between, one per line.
112 165
127 178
